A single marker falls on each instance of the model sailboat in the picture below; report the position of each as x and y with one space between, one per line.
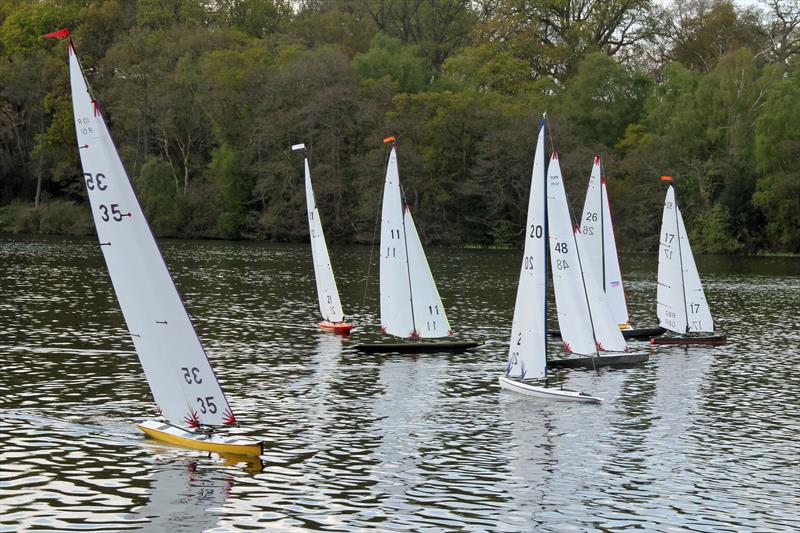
681 302
597 234
527 354
586 325
410 304
330 306
184 385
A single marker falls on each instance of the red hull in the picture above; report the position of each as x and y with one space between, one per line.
342 328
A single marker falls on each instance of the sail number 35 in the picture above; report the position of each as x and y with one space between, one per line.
192 375
96 181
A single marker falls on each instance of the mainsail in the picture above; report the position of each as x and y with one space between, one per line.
527 354
597 233
180 376
329 304
410 303
681 303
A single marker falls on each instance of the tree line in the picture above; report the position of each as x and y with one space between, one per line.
204 99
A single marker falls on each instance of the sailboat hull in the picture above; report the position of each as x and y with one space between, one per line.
417 347
546 392
630 333
626 359
342 328
210 443
715 339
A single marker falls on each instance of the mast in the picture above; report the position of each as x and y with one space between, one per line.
602 222
403 208
680 261
546 254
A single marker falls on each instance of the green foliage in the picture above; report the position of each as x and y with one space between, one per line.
227 172
713 234
57 217
162 202
603 98
204 99
389 57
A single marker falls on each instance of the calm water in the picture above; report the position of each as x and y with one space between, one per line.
698 439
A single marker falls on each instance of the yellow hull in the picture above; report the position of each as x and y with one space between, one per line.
209 443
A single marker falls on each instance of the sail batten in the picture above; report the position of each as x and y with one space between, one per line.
180 376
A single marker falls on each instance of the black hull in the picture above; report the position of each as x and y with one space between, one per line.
417 347
635 333
715 339
627 359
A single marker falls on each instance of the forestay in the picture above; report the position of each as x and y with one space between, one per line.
597 233
681 303
527 355
177 369
329 304
583 317
410 302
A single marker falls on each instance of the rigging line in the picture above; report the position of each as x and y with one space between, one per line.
372 241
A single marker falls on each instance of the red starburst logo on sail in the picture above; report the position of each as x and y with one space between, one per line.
229 419
192 420
449 332
600 347
567 347
414 335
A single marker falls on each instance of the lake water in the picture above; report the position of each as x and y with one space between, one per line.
697 439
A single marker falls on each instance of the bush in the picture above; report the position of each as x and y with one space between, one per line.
56 217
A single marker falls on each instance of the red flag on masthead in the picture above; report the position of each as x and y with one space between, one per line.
58 33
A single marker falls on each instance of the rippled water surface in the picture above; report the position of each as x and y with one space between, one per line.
697 439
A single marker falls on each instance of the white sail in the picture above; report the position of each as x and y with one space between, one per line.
410 303
429 316
395 290
527 355
607 334
583 315
597 233
698 312
612 279
329 304
673 254
180 376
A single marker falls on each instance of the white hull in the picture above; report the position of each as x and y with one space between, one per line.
546 392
